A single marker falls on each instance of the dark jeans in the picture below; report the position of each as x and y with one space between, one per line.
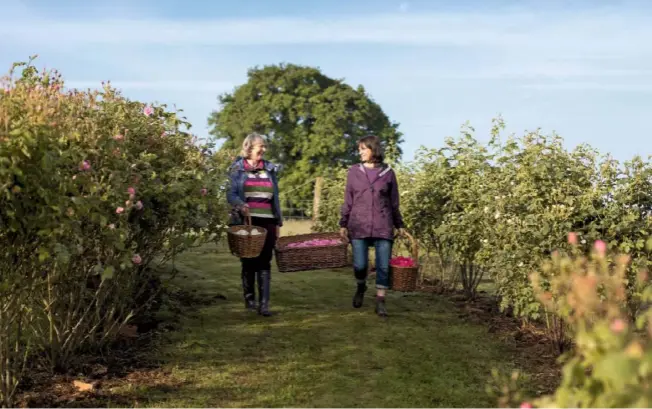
264 261
361 260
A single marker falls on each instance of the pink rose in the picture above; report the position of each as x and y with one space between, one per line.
526 405
402 261
618 326
601 247
204 191
148 110
136 259
120 210
572 238
132 192
119 137
139 205
85 165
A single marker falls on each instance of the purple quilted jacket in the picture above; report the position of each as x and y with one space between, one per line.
371 208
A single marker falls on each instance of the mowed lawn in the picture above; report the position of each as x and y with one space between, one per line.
318 351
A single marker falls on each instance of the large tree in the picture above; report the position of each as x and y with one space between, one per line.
312 122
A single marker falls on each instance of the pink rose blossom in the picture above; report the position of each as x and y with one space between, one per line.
526 405
204 191
85 165
111 226
601 247
132 192
314 242
139 205
401 261
572 238
136 259
618 326
119 137
148 110
120 210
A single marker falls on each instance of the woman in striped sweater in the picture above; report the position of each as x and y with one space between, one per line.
254 192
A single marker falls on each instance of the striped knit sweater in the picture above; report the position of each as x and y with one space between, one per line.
258 191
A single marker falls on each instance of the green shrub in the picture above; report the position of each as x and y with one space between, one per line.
609 365
95 189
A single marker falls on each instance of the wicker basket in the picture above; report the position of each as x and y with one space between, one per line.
406 278
246 246
310 258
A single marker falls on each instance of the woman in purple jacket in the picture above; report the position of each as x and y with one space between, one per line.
369 216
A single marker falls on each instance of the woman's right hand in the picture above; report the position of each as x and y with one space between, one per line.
244 209
344 233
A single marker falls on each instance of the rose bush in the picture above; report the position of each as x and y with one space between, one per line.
609 364
95 189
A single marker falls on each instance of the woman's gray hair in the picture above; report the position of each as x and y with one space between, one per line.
249 142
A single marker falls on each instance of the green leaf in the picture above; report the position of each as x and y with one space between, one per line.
43 254
616 370
62 253
107 274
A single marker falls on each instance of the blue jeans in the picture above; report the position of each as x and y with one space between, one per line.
361 260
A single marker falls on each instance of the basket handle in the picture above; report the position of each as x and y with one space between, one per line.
247 220
414 244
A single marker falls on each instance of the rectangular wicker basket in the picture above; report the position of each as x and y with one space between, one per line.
310 258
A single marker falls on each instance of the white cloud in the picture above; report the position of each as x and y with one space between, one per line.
590 86
171 85
532 66
589 32
511 44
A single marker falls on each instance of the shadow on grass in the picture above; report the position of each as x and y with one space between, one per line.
318 351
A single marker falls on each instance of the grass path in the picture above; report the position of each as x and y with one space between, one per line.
318 351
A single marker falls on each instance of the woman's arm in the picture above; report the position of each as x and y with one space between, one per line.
277 200
232 192
395 202
348 203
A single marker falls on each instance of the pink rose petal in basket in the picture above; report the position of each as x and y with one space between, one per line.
314 243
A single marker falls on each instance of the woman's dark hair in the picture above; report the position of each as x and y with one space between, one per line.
373 142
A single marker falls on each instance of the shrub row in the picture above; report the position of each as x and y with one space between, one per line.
499 209
95 190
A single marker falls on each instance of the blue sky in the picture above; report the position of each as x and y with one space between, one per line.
580 68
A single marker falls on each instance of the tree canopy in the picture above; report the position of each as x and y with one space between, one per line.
312 122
